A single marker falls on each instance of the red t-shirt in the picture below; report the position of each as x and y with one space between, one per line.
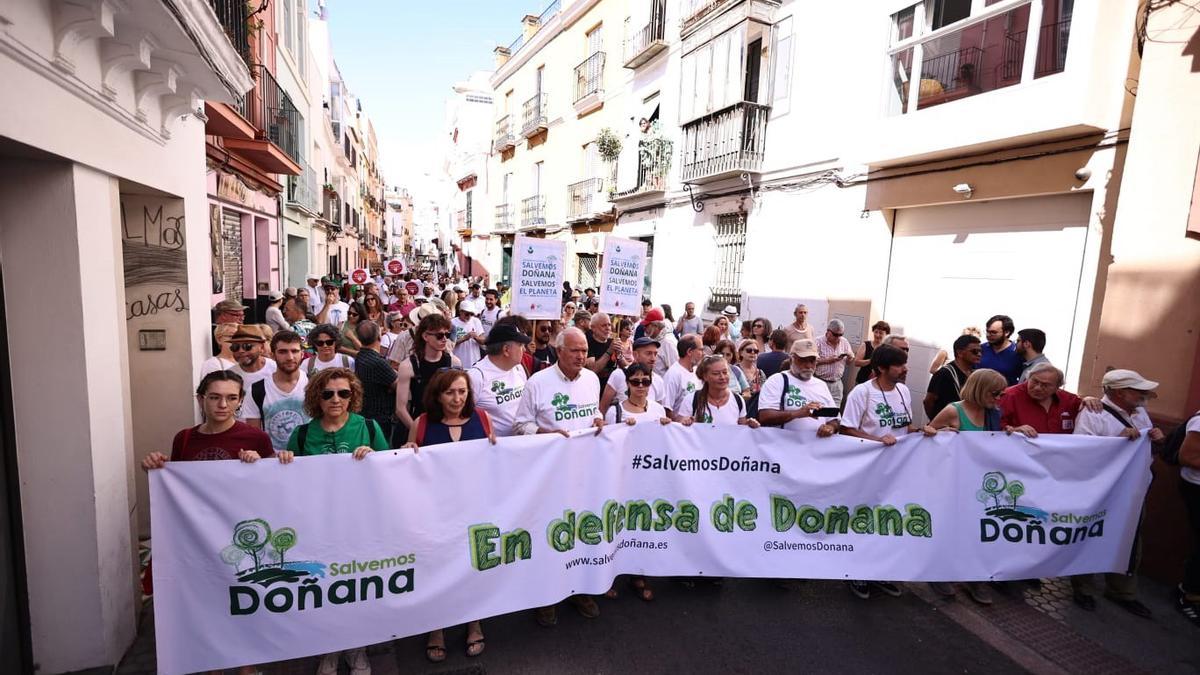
225 445
1017 408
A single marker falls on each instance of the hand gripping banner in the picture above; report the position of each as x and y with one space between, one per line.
261 562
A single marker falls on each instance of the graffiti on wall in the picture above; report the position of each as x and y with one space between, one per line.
153 249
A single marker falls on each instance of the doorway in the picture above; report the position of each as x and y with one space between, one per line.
16 654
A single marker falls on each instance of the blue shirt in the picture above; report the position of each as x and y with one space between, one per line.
1006 362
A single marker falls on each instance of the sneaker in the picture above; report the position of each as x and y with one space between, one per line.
585 605
860 589
329 664
359 663
547 616
942 588
1084 601
1189 609
979 592
1134 607
887 587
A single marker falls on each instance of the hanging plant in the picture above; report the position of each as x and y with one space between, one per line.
608 145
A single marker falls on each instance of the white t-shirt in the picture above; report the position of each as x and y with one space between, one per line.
734 409
313 364
679 383
248 379
551 401
337 313
489 317
668 353
799 394
654 413
1186 472
214 364
1103 423
877 412
658 387
468 351
498 392
316 299
282 412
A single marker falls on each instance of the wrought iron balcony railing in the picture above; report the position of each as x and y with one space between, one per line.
648 40
302 189
232 15
533 212
727 141
268 107
589 77
503 221
584 198
504 135
534 115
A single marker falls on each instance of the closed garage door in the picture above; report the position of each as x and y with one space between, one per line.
956 265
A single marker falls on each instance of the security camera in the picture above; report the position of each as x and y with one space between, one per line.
964 189
1083 173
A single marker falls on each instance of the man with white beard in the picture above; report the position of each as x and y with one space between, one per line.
791 398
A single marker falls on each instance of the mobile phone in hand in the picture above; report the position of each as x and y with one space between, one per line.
826 412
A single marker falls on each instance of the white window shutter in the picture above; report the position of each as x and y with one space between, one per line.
687 89
781 99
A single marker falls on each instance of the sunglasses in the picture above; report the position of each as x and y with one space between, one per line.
351 313
836 334
325 343
998 393
749 351
242 346
640 382
437 336
330 393
442 370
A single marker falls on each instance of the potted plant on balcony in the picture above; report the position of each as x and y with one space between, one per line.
654 154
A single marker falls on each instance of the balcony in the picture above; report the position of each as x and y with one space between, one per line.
651 179
589 84
649 40
504 135
462 223
585 200
725 143
534 115
1053 39
232 15
302 190
503 222
699 13
533 213
275 146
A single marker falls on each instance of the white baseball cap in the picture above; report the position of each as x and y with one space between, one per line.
1127 379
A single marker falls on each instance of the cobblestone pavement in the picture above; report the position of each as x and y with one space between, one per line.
752 626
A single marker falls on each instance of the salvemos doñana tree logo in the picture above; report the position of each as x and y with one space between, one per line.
565 410
259 554
1004 517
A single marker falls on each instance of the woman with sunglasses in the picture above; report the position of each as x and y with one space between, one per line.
429 356
979 409
374 310
332 399
760 332
450 416
349 344
324 339
745 368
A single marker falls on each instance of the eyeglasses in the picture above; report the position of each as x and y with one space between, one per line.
330 393
325 343
750 351
836 334
231 399
437 336
639 382
242 346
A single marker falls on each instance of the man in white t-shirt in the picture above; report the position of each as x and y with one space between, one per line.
560 399
657 328
645 352
333 310
792 397
491 312
247 347
498 379
316 298
276 404
680 382
466 333
1123 413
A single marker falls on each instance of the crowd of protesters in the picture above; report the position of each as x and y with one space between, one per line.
416 362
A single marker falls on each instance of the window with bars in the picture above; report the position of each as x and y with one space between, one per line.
730 240
589 270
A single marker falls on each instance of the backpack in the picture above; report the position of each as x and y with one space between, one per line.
741 405
1171 444
258 393
782 398
312 368
302 433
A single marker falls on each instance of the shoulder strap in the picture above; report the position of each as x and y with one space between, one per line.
783 393
312 365
421 423
301 437
485 421
697 415
345 361
258 392
1120 418
949 367
741 405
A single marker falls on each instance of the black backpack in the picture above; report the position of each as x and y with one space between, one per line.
782 398
1171 444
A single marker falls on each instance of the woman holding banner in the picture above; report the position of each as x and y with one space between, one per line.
450 416
714 403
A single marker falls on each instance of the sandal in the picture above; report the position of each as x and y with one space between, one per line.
611 593
585 605
475 647
643 590
436 653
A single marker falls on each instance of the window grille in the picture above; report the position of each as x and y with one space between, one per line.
730 241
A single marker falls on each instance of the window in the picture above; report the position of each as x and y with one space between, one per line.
944 50
588 274
725 71
782 100
730 240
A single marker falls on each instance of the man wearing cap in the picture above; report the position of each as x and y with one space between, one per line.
315 298
274 314
735 327
1123 413
466 333
645 352
497 380
640 330
333 310
226 311
790 398
247 347
834 352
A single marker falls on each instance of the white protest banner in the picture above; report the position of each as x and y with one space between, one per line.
537 276
621 278
260 562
